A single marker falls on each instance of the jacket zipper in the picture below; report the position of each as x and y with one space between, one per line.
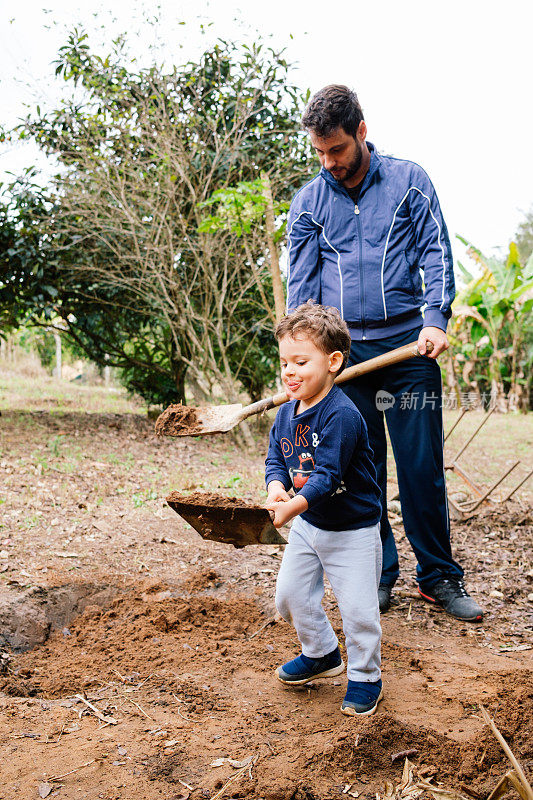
361 270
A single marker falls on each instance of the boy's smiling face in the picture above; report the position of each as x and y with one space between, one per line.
306 371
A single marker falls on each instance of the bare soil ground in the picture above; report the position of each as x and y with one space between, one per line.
108 598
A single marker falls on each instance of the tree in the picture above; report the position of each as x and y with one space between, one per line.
34 260
492 324
139 155
23 286
524 236
249 211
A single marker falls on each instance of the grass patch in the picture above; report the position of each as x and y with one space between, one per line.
48 394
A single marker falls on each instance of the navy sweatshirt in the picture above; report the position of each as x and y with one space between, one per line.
323 453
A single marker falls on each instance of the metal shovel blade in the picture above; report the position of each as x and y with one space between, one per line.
226 519
179 420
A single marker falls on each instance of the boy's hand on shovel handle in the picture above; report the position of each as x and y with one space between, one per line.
277 492
282 512
278 512
432 342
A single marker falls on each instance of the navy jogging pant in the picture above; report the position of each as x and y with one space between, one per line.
409 396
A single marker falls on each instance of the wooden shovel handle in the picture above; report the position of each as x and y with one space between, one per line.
392 357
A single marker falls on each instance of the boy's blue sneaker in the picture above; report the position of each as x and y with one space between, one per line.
304 669
362 698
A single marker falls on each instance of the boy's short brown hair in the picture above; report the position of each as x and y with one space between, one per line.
322 324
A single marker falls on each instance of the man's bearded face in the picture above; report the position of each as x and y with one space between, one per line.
339 153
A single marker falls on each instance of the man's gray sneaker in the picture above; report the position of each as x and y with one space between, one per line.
384 595
451 595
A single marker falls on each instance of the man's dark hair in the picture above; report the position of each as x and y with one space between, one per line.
331 108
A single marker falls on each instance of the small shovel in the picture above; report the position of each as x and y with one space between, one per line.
226 519
179 420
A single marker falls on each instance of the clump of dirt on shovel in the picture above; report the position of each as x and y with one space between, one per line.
178 420
211 500
230 520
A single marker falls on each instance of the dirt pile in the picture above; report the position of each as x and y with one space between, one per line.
478 762
27 617
367 753
178 420
187 673
204 579
149 626
513 710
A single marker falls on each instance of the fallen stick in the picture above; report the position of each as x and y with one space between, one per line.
403 754
323 730
509 753
270 621
504 784
69 555
187 719
446 794
408 593
471 792
96 712
57 778
62 729
139 707
234 778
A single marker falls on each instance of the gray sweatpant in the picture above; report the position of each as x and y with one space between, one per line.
352 562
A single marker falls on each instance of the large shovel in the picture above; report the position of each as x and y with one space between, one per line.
179 420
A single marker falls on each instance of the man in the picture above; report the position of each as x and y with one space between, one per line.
360 234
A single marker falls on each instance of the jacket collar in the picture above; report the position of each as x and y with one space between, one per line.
375 164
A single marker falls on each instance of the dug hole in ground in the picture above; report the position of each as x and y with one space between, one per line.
138 660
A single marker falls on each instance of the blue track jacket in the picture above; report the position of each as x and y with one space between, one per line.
367 260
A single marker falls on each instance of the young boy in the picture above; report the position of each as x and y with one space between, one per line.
319 447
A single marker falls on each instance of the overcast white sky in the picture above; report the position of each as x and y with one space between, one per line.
447 84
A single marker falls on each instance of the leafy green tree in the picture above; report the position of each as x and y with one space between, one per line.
39 288
23 284
140 152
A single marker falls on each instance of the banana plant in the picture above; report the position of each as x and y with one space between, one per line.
496 308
